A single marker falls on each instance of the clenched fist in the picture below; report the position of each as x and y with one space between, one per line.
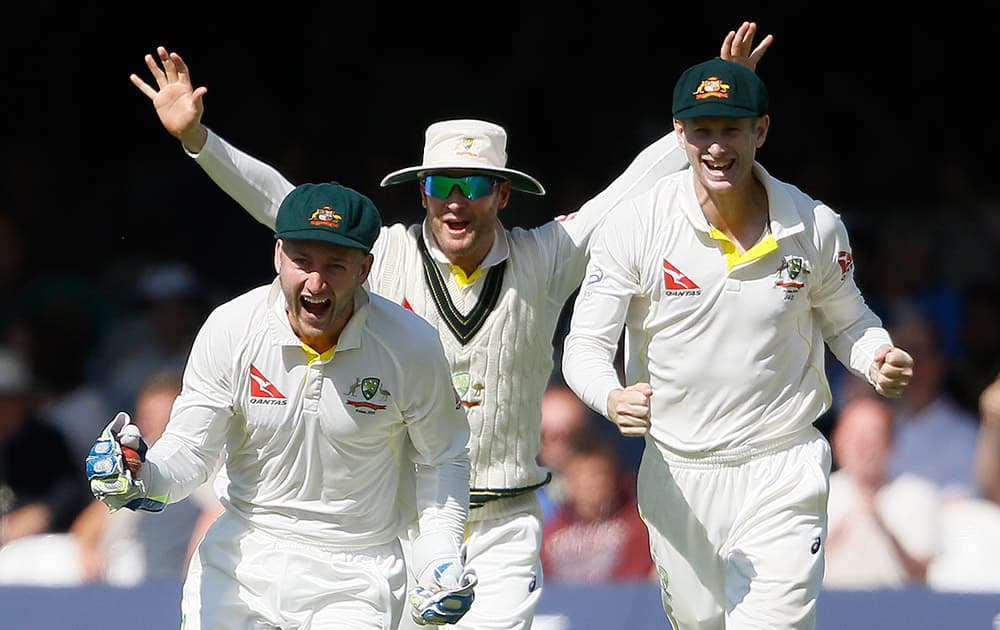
629 409
891 371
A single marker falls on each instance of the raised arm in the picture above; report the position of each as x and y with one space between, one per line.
664 156
738 46
255 185
177 102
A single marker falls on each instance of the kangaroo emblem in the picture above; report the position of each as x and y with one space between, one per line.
354 388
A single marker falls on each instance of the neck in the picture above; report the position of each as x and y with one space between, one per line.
320 344
740 213
469 259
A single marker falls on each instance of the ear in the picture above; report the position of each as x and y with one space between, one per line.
423 195
277 256
366 268
679 130
762 126
503 194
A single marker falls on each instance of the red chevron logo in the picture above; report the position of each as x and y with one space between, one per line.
261 386
674 279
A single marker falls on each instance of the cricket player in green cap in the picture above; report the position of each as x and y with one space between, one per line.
336 415
494 293
730 284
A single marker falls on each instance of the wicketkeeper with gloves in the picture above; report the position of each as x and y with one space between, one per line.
324 397
494 294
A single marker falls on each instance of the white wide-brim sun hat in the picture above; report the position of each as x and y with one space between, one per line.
466 145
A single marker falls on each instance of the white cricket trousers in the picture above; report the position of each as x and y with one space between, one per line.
242 578
737 536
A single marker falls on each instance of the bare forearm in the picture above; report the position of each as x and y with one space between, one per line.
988 460
194 139
34 518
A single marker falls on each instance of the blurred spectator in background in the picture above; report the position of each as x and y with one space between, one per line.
988 443
911 275
172 303
127 547
970 555
597 534
565 421
42 488
979 358
58 323
935 437
882 527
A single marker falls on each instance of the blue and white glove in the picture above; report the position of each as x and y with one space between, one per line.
110 480
444 595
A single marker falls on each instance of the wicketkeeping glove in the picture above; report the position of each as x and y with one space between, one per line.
444 595
110 479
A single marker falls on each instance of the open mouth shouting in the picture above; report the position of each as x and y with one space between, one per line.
456 226
316 307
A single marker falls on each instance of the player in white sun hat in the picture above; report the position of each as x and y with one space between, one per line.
494 294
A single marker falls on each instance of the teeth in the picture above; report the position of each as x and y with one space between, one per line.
312 300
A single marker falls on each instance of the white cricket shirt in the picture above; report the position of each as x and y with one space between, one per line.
502 368
732 346
315 443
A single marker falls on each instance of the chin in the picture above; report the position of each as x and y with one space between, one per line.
311 329
457 246
718 185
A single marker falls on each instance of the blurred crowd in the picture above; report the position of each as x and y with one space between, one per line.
914 496
74 349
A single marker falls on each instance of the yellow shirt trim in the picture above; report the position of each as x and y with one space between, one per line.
463 280
763 247
313 356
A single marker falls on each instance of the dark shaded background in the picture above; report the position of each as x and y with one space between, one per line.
885 114
867 110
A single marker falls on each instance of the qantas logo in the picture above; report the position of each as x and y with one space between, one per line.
263 391
846 261
676 283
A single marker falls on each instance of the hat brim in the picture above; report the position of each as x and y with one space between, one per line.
716 110
326 236
518 180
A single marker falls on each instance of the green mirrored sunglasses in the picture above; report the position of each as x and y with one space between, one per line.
472 186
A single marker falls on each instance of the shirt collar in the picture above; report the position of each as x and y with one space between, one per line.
784 216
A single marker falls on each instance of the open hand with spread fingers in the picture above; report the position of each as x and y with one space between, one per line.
738 46
178 103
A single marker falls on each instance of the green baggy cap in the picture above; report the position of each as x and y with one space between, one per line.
719 89
328 212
